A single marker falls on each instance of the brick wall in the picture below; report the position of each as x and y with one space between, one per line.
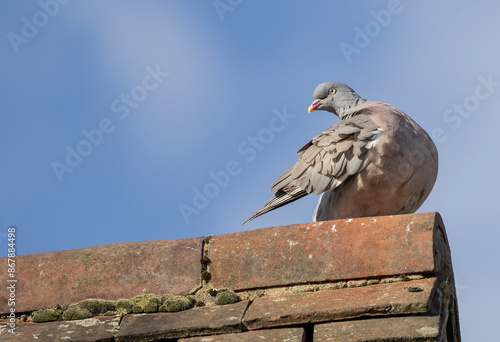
369 279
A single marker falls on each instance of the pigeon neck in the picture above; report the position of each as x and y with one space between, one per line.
346 108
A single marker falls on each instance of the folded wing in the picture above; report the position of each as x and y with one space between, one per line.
327 161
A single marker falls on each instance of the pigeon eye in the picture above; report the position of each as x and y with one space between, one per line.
333 91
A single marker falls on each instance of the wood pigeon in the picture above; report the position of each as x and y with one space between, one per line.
375 161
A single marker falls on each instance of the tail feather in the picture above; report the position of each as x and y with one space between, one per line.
279 199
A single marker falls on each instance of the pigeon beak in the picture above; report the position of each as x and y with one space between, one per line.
314 105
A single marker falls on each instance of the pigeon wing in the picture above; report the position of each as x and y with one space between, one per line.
326 161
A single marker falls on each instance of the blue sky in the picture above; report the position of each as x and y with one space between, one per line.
174 94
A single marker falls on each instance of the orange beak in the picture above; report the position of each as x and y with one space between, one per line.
314 105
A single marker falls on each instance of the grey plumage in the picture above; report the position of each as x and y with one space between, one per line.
375 161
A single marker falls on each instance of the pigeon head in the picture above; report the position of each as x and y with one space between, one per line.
336 98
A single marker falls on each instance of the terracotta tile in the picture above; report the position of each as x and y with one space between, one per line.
268 335
325 251
413 328
98 329
114 271
195 322
323 306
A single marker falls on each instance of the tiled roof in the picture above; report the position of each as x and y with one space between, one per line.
384 278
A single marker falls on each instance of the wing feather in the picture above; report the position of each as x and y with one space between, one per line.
326 161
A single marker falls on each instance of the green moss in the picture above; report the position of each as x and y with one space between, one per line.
96 306
177 303
208 239
226 296
47 315
92 307
74 312
206 276
123 306
205 261
192 300
146 303
414 288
